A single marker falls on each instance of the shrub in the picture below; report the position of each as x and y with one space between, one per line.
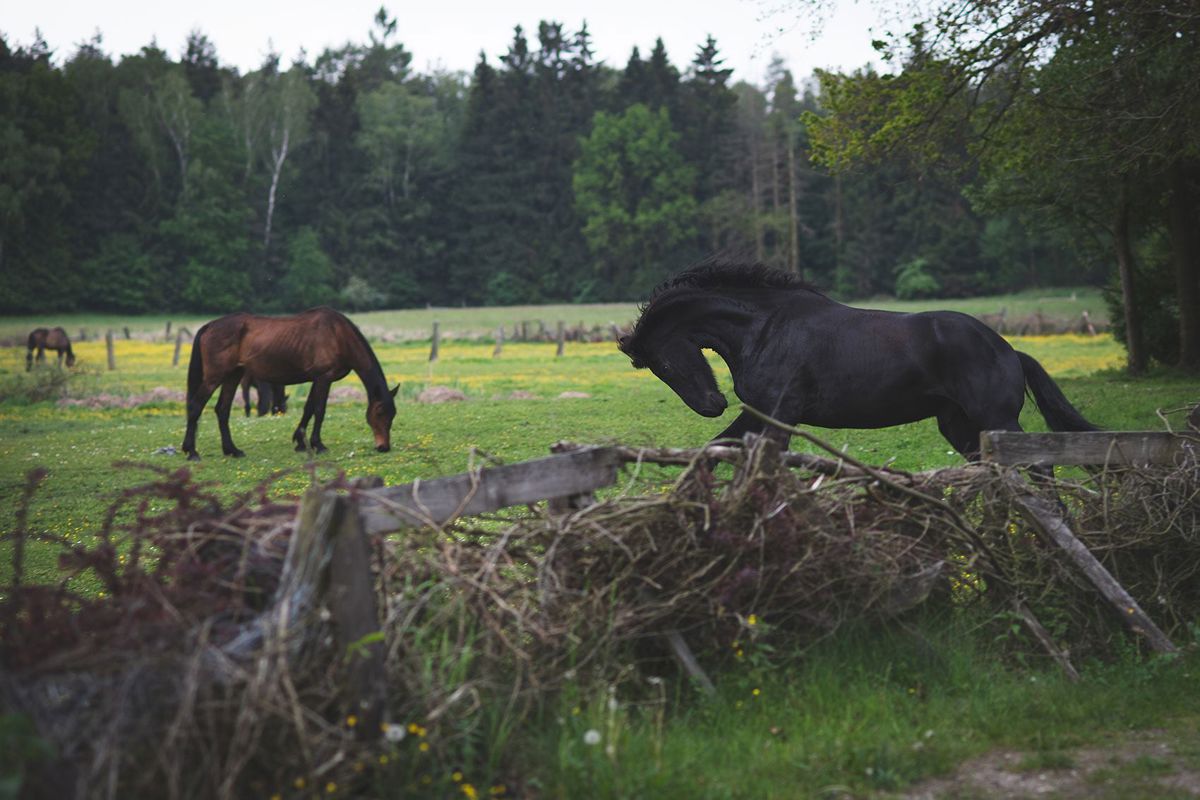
913 280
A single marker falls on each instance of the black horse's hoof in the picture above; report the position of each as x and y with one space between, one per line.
320 448
235 453
193 456
301 447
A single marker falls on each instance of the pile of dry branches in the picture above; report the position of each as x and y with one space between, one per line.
191 677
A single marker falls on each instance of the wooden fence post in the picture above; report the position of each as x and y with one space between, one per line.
524 331
127 332
329 560
499 341
559 336
178 343
351 596
167 334
108 344
83 334
433 350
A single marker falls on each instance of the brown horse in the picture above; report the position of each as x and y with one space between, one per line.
318 345
43 339
272 399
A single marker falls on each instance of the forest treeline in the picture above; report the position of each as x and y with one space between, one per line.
149 183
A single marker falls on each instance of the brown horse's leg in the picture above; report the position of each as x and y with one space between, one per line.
196 402
309 406
320 396
224 404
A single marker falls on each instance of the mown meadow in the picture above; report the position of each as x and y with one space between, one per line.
870 710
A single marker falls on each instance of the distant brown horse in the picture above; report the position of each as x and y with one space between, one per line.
272 399
43 339
318 345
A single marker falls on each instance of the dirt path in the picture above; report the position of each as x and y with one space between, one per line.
1158 764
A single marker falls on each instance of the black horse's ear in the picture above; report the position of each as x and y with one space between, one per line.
395 390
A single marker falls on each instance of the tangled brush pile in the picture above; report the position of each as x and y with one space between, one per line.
189 677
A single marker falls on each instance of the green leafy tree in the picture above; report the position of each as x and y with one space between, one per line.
309 279
1065 106
634 194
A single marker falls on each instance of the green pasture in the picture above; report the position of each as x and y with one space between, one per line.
864 713
482 323
93 448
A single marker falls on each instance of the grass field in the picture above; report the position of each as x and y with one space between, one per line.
864 713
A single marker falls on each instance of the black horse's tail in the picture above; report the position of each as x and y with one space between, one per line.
1055 407
195 365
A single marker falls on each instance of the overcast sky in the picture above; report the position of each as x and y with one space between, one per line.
447 34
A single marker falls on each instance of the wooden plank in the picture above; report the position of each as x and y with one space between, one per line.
1043 515
1125 448
436 502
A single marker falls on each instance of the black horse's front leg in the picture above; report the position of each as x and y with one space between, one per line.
745 423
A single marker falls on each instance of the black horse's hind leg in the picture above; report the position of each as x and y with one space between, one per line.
195 407
224 405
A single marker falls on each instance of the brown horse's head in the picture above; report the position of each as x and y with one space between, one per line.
70 358
381 410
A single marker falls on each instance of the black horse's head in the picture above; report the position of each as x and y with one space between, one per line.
381 410
680 364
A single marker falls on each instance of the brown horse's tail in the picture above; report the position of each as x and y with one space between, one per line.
195 366
1055 407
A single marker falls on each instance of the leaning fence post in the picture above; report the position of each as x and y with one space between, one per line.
108 344
127 336
499 341
167 334
1042 515
559 336
433 350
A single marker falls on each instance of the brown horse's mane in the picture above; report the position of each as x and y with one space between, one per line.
717 276
377 381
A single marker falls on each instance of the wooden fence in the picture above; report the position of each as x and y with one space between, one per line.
329 548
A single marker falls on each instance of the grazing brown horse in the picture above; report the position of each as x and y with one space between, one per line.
272 399
318 345
43 339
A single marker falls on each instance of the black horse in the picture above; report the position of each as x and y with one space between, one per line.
43 339
318 345
804 358
272 399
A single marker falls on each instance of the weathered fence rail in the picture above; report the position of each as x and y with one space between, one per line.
1093 448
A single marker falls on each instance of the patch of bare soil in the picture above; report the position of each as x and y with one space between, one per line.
159 394
1141 764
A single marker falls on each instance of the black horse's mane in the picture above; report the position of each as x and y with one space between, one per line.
717 276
